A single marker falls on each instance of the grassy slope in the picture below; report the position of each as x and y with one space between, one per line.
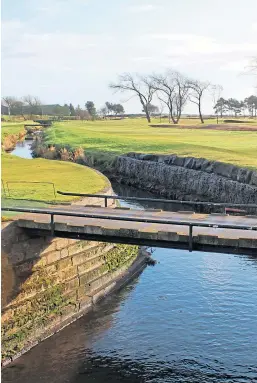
65 175
13 127
122 136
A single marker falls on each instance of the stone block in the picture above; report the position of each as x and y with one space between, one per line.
68 310
49 247
64 253
64 263
168 236
110 287
85 302
62 243
81 292
87 266
50 270
91 275
247 243
208 239
53 256
75 248
72 285
80 258
99 295
68 273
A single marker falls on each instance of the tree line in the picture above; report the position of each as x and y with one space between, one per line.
174 91
236 107
32 105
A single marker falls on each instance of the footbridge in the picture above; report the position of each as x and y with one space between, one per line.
189 230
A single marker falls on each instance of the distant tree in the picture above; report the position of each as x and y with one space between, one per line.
17 108
153 109
173 90
10 102
103 111
109 107
78 110
221 106
118 109
251 104
90 107
33 104
234 106
140 86
59 110
216 91
72 110
197 89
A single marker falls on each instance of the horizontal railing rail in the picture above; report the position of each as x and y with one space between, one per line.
161 200
188 223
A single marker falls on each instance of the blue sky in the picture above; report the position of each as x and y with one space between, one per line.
70 50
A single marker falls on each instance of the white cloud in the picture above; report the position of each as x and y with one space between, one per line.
142 8
190 43
235 66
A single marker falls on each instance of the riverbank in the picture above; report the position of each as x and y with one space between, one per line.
171 176
50 282
117 137
47 283
11 133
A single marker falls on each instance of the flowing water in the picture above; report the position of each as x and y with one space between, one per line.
190 318
23 149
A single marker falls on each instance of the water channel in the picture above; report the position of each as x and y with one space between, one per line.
190 318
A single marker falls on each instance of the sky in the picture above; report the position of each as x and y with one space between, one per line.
70 50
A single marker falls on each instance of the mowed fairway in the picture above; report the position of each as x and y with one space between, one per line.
123 136
19 175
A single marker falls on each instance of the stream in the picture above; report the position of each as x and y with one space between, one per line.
191 318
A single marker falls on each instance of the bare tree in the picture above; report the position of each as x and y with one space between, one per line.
197 89
216 91
140 85
10 102
33 103
173 90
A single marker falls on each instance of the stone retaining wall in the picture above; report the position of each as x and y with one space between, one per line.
47 283
187 178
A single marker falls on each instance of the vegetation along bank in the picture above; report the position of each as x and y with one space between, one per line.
211 165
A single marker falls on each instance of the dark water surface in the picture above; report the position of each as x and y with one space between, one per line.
191 318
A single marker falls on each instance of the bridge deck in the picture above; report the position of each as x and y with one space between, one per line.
158 234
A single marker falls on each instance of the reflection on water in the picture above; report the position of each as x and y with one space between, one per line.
192 318
23 149
129 191
172 324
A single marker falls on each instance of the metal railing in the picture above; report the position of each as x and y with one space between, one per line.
161 200
6 187
123 218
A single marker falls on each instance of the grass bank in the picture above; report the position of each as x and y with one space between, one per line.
11 132
113 137
34 179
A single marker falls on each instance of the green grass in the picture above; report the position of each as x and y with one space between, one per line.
13 127
66 176
123 136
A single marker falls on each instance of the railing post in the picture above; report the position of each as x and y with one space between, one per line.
190 243
52 225
105 202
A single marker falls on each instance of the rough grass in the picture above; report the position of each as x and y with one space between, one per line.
13 127
66 176
123 136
